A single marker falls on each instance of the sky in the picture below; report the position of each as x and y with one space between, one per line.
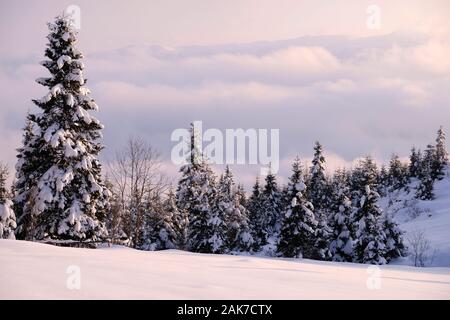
315 70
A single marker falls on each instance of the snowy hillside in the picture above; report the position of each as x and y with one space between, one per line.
430 217
32 270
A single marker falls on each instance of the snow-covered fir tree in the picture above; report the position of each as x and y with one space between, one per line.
239 234
370 238
383 181
426 175
394 245
319 195
415 159
341 244
229 204
225 205
441 156
318 187
243 201
27 172
256 219
298 233
271 210
207 226
7 216
159 230
69 199
398 173
196 195
365 173
188 184
323 236
179 219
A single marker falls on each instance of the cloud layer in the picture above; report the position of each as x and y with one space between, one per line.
357 96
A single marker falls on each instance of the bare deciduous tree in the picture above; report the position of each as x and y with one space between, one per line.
137 180
420 248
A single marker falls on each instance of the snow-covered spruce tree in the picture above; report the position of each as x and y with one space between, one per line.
284 201
239 234
224 205
188 185
228 205
341 243
69 199
415 159
370 237
159 231
207 227
323 236
318 187
241 195
196 194
298 233
383 181
244 239
256 218
179 219
7 216
441 156
394 245
426 175
27 172
319 195
365 173
398 174
271 210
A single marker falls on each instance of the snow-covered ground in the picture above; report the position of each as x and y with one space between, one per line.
430 217
32 270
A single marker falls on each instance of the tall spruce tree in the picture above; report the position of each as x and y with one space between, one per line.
256 218
398 173
69 198
271 209
196 195
415 159
188 184
341 244
370 237
394 245
365 173
319 195
383 181
7 216
298 233
426 175
441 156
318 188
225 204
207 229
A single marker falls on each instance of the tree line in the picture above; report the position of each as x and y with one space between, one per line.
59 194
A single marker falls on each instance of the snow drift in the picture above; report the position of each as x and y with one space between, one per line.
37 271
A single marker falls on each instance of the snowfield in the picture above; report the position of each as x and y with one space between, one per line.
433 219
37 271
